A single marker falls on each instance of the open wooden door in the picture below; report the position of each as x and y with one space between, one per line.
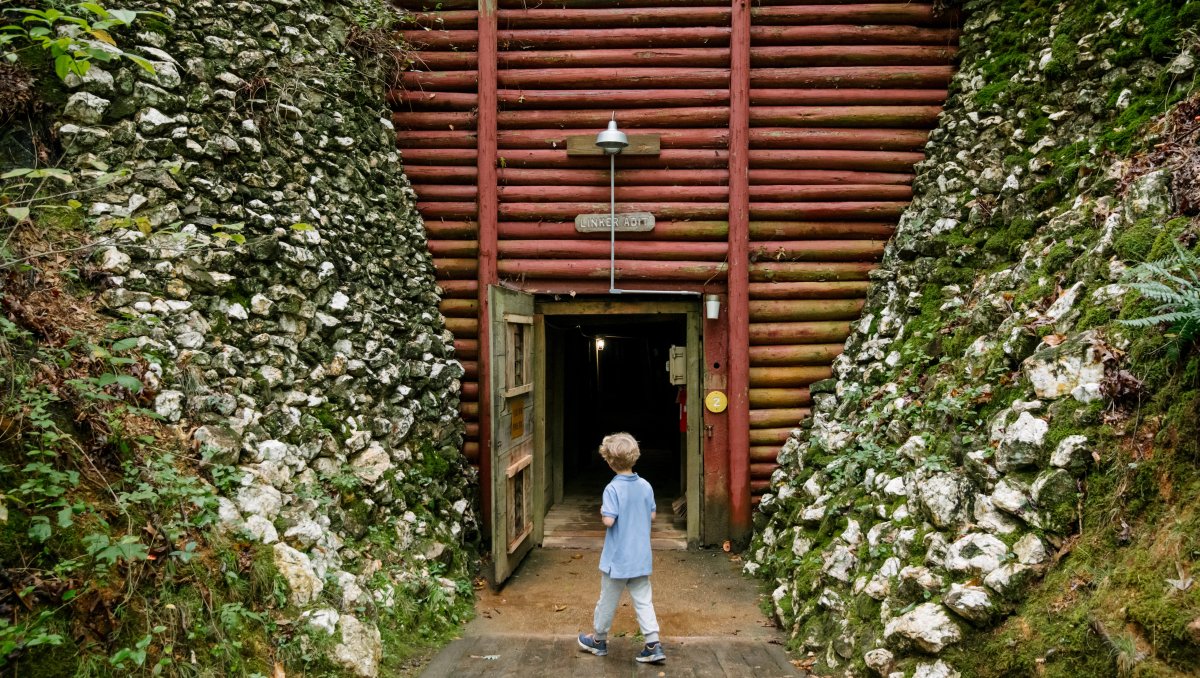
513 435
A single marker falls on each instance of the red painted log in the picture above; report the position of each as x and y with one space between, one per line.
618 78
434 120
598 269
471 452
592 38
442 81
809 271
467 328
851 55
845 116
690 57
598 249
847 97
848 34
459 289
773 437
488 217
450 210
448 61
568 288
738 300
834 138
444 192
556 139
589 98
614 17
780 377
438 229
594 4
456 268
820 230
436 21
805 211
532 211
459 40
777 418
818 250
663 231
408 100
556 193
771 398
809 290
423 5
872 161
454 248
628 177
789 334
429 174
436 139
459 308
668 159
775 310
904 14
470 411
787 193
761 471
439 156
804 354
470 372
768 177
466 349
919 77
762 454
470 389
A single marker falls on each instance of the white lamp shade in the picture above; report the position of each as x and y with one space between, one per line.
712 306
612 140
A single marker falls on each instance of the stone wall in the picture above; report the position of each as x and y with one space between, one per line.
942 472
264 242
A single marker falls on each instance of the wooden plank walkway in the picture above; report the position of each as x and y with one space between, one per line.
574 523
524 656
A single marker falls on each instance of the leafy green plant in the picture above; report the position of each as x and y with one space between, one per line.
1173 282
72 39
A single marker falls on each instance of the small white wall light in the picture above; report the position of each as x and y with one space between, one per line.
712 306
599 343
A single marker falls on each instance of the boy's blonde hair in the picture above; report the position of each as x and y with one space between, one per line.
620 450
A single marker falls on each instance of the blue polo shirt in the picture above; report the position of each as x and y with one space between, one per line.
626 552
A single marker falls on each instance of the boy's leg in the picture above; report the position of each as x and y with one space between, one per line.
606 607
643 605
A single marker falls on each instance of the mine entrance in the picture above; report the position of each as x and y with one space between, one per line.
624 367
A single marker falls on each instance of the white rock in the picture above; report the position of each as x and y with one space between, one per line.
976 553
839 563
970 602
1021 442
339 302
260 305
113 260
943 497
260 500
297 569
990 519
1071 453
361 649
1013 497
1030 550
1057 371
325 619
270 450
880 661
262 529
1006 578
86 108
913 448
306 533
937 669
169 405
896 487
1064 303
852 535
928 626
372 463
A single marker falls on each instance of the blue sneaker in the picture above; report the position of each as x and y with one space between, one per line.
651 654
596 647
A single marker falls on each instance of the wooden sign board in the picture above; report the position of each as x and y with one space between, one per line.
639 144
631 222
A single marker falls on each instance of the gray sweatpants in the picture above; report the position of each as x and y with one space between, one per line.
643 605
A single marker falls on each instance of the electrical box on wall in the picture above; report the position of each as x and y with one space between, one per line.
677 365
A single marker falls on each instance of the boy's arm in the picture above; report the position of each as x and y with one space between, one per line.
608 521
608 507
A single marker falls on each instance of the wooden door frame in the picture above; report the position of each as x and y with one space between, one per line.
692 312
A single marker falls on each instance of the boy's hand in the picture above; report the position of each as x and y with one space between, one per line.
608 521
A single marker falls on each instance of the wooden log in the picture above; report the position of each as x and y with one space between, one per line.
454 248
446 138
663 231
590 38
770 398
790 334
471 452
571 287
470 411
757 489
463 230
668 159
459 289
450 210
448 61
819 250
444 192
471 372
456 268
459 308
787 377
870 161
470 390
690 57
466 349
820 230
762 454
437 21
599 269
532 211
442 81
598 249
773 437
574 193
777 177
805 271
446 174
436 120
516 99
833 33
597 177
609 17
817 211
779 310
762 471
737 303
796 354
411 100
632 78
847 97
439 156
902 14
594 4
809 290
792 192
458 40
713 138
423 5
777 418
851 55
832 138
920 117
918 77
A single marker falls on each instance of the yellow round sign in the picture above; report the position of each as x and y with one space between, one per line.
716 401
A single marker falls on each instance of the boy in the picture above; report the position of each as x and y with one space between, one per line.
627 510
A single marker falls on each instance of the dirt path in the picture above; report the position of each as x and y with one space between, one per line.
708 613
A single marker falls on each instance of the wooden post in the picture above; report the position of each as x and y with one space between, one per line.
739 274
487 216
